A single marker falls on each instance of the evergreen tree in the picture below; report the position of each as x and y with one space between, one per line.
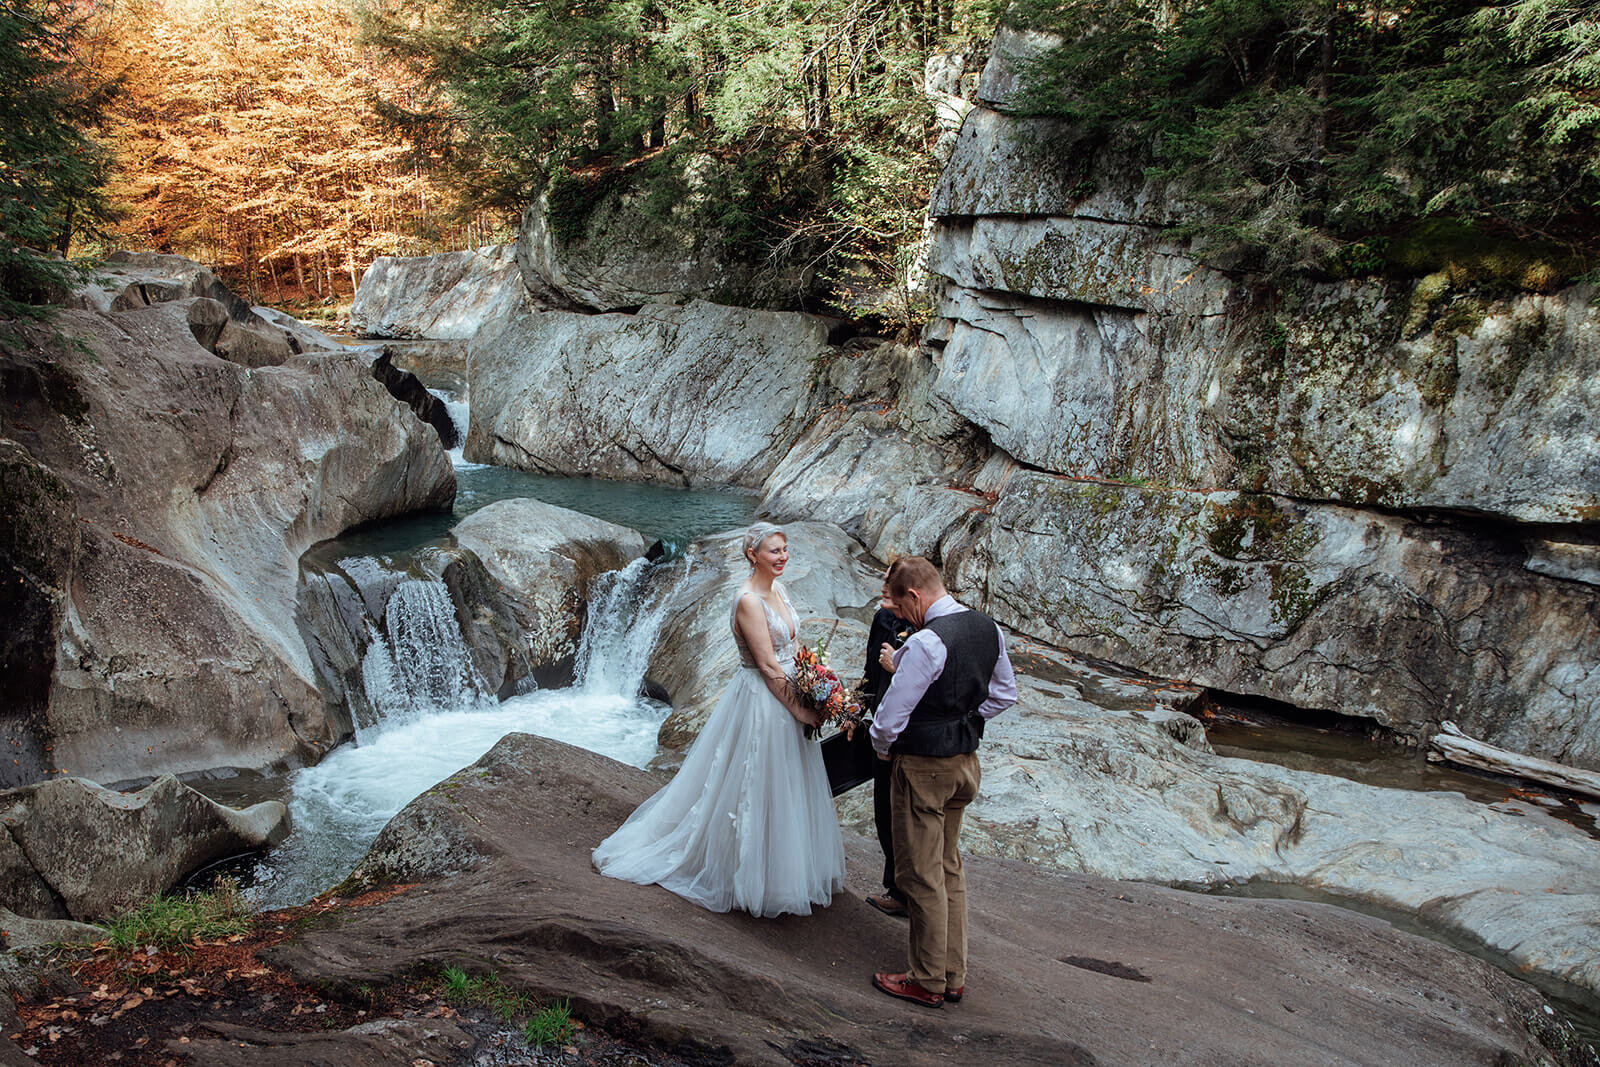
1332 136
812 111
52 171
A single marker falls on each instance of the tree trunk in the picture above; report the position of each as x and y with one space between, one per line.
1453 745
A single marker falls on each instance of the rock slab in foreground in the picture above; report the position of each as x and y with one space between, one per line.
1065 969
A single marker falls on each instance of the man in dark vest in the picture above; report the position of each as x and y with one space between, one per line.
950 677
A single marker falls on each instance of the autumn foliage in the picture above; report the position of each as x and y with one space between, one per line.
247 139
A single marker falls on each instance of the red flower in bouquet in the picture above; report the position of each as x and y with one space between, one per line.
818 688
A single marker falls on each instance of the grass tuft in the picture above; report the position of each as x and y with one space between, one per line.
175 921
551 1025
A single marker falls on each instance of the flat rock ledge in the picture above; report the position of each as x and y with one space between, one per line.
1066 969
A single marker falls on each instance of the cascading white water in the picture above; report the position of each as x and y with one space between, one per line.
421 663
460 412
435 719
614 651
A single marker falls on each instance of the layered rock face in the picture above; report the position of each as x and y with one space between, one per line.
1378 498
164 496
702 394
601 249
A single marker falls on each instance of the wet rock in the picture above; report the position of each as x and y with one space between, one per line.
180 490
409 390
698 395
379 1043
1060 963
444 296
440 365
542 558
100 851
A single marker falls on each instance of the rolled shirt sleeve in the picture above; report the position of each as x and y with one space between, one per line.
916 664
1002 684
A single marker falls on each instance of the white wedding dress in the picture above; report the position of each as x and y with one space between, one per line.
748 821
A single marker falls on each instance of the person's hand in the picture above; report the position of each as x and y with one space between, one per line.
850 728
886 657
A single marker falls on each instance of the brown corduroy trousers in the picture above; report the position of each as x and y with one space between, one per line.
930 793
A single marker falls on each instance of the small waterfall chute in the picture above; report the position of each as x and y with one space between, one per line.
621 631
421 663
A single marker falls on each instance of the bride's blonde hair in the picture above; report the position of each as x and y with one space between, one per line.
757 535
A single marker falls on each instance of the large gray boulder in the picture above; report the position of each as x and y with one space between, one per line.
89 853
542 559
697 395
167 496
1365 613
1065 968
440 297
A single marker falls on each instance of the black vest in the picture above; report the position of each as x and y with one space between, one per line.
945 721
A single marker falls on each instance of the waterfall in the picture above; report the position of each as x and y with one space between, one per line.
420 663
433 716
460 412
621 631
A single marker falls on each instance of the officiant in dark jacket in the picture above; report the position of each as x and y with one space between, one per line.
950 678
889 631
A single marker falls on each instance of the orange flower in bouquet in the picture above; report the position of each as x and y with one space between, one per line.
816 686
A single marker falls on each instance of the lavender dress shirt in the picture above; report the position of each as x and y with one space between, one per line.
921 660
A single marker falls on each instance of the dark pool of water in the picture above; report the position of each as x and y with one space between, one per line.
1267 738
673 516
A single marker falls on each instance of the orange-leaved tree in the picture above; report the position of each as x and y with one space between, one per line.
249 141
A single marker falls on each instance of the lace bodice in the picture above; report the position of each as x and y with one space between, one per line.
783 645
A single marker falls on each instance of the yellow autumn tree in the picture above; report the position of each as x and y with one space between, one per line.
248 140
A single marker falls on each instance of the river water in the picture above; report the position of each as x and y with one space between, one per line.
434 715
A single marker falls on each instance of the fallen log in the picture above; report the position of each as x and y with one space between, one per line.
1453 745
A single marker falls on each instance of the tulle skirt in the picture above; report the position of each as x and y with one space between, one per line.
748 822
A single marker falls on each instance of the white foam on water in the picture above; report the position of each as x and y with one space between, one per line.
340 805
435 719
460 411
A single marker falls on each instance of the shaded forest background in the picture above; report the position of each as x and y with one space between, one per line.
288 142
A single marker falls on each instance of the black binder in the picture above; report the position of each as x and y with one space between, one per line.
849 763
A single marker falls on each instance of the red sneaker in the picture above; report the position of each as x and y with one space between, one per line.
954 995
898 985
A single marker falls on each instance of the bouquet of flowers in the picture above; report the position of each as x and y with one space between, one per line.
818 688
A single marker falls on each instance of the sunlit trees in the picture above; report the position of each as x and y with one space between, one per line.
249 140
813 109
1329 135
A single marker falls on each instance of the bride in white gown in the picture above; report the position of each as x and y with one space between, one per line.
748 821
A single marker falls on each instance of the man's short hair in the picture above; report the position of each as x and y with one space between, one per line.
913 572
